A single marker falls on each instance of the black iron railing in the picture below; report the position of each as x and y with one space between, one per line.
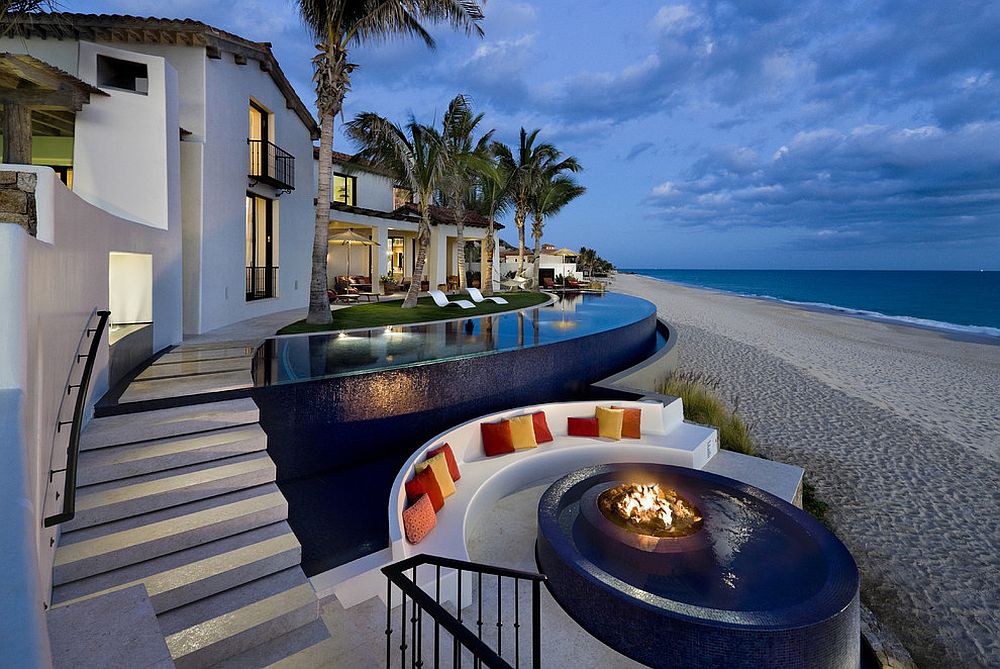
262 282
271 164
73 448
465 643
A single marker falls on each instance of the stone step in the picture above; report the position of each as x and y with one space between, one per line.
193 354
209 631
106 502
186 576
119 462
308 647
102 548
162 423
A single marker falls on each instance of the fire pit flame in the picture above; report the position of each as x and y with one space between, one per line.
650 510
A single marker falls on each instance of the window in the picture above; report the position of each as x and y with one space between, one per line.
125 75
262 272
396 256
345 189
400 196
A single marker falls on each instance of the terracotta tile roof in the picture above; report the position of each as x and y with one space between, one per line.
411 213
151 30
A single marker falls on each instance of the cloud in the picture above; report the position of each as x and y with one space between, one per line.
867 186
637 150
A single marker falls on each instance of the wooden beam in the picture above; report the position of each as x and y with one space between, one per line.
16 134
213 52
239 59
63 121
68 100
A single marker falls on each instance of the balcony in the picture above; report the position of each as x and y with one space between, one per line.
271 165
262 283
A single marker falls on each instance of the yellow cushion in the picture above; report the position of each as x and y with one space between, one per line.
522 432
609 422
439 466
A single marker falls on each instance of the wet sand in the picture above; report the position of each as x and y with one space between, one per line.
899 429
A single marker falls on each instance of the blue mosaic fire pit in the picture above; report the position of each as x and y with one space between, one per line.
756 582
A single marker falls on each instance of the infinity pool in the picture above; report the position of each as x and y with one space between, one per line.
299 358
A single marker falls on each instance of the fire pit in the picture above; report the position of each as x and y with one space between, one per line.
675 567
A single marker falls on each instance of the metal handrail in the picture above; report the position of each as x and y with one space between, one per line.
271 163
482 654
73 448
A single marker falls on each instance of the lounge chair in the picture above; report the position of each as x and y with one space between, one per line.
548 283
441 300
478 297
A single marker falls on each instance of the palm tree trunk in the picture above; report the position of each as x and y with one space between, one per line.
486 259
460 240
519 222
536 232
319 301
423 241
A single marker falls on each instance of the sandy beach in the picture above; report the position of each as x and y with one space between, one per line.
899 429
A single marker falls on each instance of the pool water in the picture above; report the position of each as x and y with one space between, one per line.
299 358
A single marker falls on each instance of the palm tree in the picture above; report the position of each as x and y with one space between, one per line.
493 199
415 156
553 192
338 25
463 155
527 168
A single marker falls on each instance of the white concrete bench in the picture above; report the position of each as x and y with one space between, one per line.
666 439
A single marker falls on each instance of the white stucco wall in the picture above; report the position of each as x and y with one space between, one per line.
229 88
47 294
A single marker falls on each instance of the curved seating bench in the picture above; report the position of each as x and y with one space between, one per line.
666 439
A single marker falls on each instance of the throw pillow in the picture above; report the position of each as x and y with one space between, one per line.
449 455
439 466
609 422
496 438
522 432
542 432
582 427
631 422
424 483
419 519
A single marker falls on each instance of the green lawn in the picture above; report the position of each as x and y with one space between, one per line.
377 314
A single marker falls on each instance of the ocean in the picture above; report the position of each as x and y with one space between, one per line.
966 302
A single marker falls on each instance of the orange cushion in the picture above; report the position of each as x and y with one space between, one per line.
496 438
522 432
439 466
424 483
631 421
419 519
449 455
582 427
542 432
609 422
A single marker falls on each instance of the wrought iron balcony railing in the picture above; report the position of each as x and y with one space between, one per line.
262 282
271 165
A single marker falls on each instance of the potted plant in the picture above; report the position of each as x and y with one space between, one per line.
389 285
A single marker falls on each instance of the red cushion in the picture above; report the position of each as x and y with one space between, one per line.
424 483
631 422
542 432
496 438
419 519
449 456
582 427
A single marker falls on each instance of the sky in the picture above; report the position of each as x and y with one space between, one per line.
747 134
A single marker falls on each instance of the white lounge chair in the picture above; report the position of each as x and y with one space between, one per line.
478 297
442 300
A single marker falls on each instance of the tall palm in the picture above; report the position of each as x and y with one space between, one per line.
527 168
414 155
552 192
338 25
493 200
463 154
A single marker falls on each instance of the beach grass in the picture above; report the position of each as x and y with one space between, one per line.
381 314
703 404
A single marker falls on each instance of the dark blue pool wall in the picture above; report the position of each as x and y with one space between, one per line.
332 423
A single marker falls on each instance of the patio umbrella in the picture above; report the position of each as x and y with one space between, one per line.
350 238
566 252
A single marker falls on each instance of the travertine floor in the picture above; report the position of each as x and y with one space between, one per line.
898 427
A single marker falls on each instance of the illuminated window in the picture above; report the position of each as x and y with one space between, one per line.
344 189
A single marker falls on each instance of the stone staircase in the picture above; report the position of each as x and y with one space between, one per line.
183 501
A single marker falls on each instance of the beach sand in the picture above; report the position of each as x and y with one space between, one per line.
898 428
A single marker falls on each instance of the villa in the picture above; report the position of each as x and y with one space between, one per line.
184 488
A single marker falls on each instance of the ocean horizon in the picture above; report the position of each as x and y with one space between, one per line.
965 302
